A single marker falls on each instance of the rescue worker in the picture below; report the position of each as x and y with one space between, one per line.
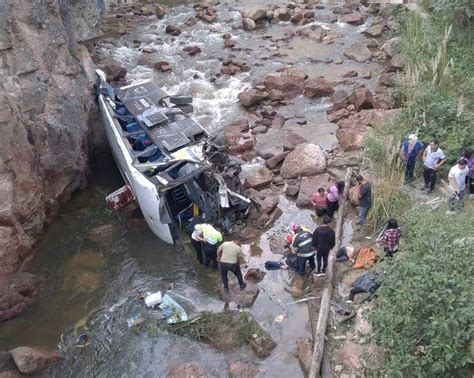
324 239
302 245
230 256
195 243
210 237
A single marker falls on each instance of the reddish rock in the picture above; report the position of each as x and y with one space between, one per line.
248 234
209 16
275 95
339 100
259 129
362 98
341 10
162 66
283 14
252 97
294 139
376 30
187 370
308 14
381 103
114 71
258 178
358 52
310 185
173 30
254 275
391 47
388 79
355 18
289 81
296 18
350 73
241 370
351 139
396 63
278 122
338 115
257 13
30 360
278 245
305 160
365 74
16 294
318 87
277 159
192 50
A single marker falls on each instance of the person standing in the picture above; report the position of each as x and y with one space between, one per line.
324 239
433 159
197 244
391 238
469 156
302 244
334 193
230 256
319 202
409 151
457 186
210 237
365 198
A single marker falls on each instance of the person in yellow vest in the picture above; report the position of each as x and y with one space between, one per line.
230 256
210 237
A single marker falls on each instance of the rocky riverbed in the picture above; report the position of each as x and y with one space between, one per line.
292 88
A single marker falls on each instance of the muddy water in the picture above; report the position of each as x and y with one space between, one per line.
94 262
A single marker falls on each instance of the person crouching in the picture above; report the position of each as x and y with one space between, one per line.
302 244
230 256
210 237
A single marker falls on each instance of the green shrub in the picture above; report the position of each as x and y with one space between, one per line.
425 309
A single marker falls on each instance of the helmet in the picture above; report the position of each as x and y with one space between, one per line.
295 227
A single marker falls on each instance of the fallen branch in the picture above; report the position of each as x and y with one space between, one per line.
326 294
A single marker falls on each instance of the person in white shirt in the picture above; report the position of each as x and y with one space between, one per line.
433 159
457 186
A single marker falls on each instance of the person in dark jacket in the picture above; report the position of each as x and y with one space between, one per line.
324 239
302 244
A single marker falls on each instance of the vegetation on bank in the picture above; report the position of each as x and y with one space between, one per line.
425 310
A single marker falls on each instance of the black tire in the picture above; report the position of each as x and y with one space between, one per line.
188 108
181 100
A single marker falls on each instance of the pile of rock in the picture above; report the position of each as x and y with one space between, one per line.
206 12
232 66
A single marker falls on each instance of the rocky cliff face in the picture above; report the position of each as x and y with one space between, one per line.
45 104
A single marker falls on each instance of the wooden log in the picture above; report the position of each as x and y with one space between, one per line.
326 294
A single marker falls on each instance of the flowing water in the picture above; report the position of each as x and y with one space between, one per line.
94 263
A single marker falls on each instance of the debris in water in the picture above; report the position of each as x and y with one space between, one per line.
280 318
135 320
118 304
172 310
153 299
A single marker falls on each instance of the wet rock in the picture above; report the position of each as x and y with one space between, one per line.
376 30
16 294
30 360
358 52
256 13
262 344
254 275
296 18
293 140
283 14
341 10
248 24
245 298
173 30
319 33
308 14
145 60
187 370
208 15
355 18
278 245
304 351
248 234
318 87
391 47
397 63
160 11
338 115
288 82
162 66
362 98
339 100
310 185
278 122
252 97
258 178
350 73
114 71
242 370
192 50
306 160
277 159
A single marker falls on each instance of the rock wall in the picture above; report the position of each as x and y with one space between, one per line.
46 100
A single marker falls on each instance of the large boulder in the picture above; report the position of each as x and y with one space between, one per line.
376 30
258 178
352 138
306 159
310 185
318 87
290 82
256 13
30 360
358 52
355 18
252 97
362 98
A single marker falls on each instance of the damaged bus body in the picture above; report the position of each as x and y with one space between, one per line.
168 161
